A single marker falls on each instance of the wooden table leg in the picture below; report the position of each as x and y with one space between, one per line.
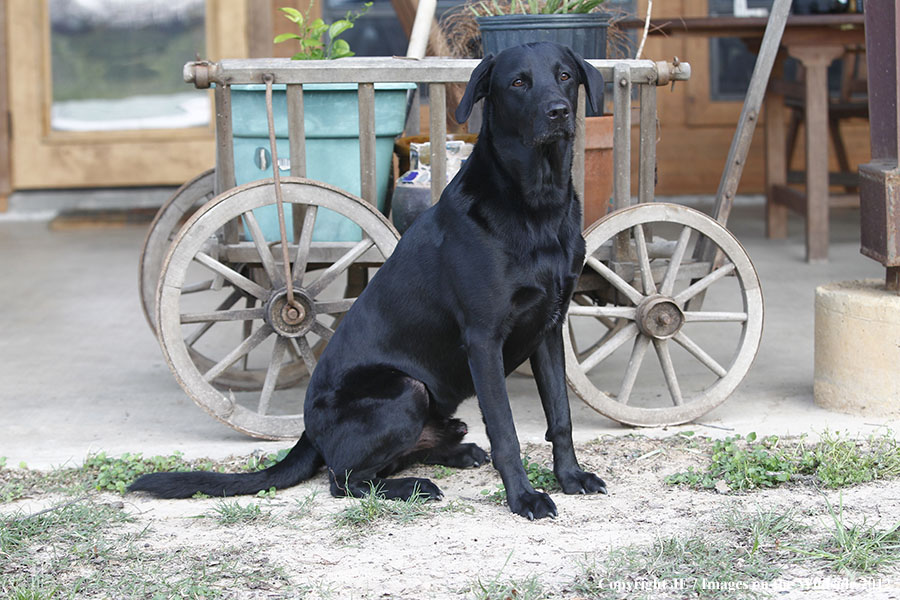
776 165
815 60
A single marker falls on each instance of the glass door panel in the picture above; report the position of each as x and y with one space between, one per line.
116 64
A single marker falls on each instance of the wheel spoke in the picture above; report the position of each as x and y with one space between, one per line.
644 261
704 283
243 348
334 306
262 248
248 329
714 317
201 286
613 327
231 275
245 314
339 266
272 373
668 283
301 346
665 361
304 242
611 345
322 331
612 312
230 301
697 352
619 283
634 365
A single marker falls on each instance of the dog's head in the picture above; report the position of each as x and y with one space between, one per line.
533 90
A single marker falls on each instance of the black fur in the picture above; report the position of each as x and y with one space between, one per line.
479 284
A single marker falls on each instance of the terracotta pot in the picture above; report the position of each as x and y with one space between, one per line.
598 167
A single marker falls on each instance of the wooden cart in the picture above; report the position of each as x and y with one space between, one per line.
215 287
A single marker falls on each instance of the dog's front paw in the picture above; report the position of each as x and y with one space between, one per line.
581 482
533 505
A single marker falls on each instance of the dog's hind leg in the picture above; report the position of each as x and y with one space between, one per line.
440 443
368 427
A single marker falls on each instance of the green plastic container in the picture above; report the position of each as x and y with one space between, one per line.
331 121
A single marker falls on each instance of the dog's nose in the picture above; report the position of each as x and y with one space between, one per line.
557 111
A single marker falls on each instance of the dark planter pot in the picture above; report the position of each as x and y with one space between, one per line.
583 33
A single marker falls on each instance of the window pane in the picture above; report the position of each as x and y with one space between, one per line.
116 64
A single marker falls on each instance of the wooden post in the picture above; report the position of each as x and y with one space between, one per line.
879 191
816 61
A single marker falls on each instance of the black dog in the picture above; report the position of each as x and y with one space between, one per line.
476 286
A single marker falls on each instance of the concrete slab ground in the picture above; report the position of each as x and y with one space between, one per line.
81 372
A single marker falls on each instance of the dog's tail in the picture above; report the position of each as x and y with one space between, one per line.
300 464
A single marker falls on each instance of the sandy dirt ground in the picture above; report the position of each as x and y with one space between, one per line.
467 541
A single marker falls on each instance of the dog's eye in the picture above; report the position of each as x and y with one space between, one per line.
564 76
518 83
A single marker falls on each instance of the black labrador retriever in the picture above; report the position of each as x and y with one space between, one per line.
479 283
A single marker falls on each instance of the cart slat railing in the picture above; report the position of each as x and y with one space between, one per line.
436 73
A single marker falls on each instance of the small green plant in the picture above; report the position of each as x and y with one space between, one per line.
854 547
269 493
835 461
742 464
234 513
492 8
313 43
540 477
442 472
259 463
116 474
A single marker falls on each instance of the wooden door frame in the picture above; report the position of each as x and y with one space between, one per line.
5 165
43 158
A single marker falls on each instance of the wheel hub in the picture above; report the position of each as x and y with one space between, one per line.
659 317
290 320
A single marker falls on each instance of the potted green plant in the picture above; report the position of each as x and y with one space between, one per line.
578 24
331 123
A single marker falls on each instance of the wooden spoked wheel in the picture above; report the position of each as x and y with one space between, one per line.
240 315
168 220
638 296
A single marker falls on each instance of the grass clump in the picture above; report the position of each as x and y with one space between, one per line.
234 513
853 546
838 461
540 477
835 461
763 530
529 588
373 506
686 566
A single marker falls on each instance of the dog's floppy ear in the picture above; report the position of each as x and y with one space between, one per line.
592 80
477 88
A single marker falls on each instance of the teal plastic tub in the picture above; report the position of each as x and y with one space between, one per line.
331 120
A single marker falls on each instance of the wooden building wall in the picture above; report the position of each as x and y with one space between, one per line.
695 133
